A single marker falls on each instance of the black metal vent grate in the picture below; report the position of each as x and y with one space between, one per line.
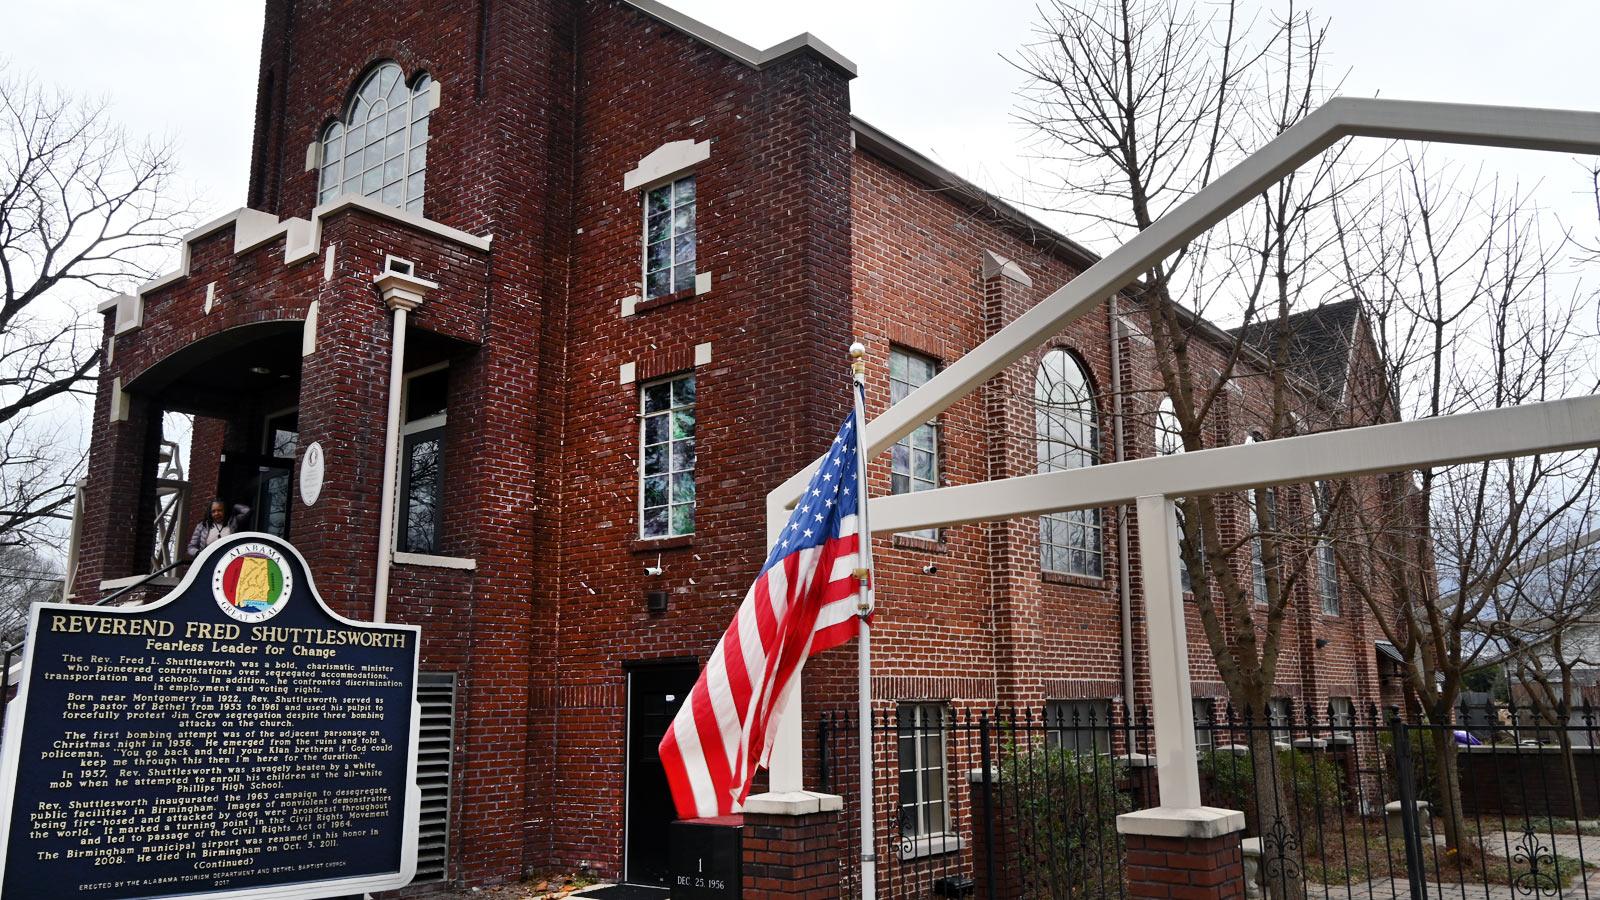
436 694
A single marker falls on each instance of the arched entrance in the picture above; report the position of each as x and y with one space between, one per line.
243 388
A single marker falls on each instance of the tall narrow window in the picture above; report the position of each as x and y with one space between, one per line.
422 460
666 458
1168 431
924 798
1258 565
1169 442
380 148
279 440
1341 713
1068 437
1280 718
669 230
1327 559
915 462
1078 726
1205 729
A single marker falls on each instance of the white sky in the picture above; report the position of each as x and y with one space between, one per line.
931 72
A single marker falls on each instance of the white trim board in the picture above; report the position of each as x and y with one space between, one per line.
302 240
737 49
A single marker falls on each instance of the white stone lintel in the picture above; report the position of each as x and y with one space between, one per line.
702 354
665 163
1198 822
793 803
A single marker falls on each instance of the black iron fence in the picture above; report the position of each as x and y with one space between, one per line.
1337 802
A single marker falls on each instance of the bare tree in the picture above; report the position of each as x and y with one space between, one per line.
84 209
1460 283
1549 626
26 578
1137 105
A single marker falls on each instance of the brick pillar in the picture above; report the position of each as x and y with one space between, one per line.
1184 854
793 845
118 528
1012 543
997 839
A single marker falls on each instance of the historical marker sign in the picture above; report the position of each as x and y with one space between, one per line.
234 739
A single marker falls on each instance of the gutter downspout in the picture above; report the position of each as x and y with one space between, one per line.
1124 586
402 293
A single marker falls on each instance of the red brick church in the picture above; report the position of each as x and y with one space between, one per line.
551 294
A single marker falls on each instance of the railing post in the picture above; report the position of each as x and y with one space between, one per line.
1177 769
1412 832
988 806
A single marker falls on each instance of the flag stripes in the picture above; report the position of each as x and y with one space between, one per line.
804 601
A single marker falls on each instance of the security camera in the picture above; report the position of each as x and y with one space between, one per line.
655 570
930 569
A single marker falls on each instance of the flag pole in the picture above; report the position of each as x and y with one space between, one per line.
869 858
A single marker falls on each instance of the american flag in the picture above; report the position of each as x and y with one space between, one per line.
803 602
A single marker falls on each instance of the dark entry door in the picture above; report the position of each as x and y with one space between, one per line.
654 694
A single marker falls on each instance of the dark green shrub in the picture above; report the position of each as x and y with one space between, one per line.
1312 784
1063 807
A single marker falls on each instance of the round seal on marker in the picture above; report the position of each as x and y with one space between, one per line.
251 582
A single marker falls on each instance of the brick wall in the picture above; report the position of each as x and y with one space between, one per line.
809 243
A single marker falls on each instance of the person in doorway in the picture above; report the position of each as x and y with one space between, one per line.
217 525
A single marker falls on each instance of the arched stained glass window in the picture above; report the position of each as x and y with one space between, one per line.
1068 437
380 148
1168 432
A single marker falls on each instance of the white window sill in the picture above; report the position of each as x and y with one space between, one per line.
930 845
436 562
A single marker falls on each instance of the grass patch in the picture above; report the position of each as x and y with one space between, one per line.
1543 825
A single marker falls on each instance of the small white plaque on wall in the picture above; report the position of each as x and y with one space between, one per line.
311 469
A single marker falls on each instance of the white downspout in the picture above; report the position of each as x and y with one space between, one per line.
402 293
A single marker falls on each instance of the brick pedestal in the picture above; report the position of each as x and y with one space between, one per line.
1184 854
792 848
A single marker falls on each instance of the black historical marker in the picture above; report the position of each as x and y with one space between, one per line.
234 739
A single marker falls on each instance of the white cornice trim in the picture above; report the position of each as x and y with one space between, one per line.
995 264
302 241
737 49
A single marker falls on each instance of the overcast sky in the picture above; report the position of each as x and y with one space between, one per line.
931 73
930 70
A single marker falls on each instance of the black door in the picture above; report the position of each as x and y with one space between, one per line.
654 695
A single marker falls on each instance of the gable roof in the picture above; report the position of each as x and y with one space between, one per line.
1319 342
